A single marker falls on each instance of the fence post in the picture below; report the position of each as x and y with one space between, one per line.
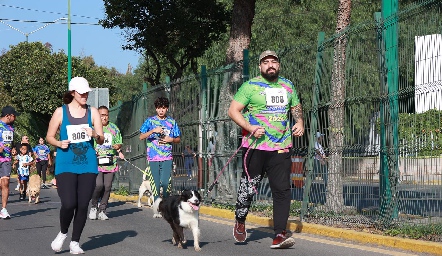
389 150
203 177
313 124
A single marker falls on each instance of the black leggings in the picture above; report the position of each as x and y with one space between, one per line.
42 166
75 192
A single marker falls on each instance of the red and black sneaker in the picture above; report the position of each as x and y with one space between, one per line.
239 232
282 241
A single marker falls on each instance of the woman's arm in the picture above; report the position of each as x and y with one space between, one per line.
54 125
97 132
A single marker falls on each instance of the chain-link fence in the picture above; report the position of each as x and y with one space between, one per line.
362 89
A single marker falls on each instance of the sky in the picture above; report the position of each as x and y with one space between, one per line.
104 45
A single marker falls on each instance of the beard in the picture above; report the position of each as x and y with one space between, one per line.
270 77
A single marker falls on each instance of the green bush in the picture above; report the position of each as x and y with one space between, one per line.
122 191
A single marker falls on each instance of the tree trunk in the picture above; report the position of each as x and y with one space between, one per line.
334 194
241 29
240 35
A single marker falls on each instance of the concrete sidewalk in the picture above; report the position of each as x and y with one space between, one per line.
297 226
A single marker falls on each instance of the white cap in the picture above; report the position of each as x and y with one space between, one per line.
318 134
79 84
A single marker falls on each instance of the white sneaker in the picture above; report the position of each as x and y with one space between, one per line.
102 216
4 214
93 213
18 187
75 248
58 242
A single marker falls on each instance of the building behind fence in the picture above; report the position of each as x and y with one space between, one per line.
384 157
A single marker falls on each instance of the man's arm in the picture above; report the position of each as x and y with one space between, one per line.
298 128
237 117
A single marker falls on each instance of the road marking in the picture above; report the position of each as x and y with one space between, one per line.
314 239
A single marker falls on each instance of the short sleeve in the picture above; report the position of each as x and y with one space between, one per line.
147 126
243 94
176 130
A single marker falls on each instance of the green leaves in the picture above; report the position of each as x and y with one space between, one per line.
172 34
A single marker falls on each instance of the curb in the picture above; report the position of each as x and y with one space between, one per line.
309 228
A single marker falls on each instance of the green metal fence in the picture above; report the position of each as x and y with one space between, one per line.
382 134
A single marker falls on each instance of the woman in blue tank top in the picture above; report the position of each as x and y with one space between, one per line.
77 167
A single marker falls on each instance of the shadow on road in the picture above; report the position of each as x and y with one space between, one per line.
107 239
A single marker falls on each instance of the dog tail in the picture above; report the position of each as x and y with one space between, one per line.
156 208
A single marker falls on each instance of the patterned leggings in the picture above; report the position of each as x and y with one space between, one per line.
277 167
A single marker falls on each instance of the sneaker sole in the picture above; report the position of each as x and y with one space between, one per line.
289 242
239 241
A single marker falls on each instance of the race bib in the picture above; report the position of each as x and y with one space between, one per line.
166 131
77 133
7 136
107 139
276 96
41 152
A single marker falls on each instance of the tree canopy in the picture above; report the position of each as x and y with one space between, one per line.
171 34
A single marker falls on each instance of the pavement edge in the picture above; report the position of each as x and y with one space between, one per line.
303 227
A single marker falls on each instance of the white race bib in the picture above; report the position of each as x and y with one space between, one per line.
166 131
107 139
7 136
276 96
77 133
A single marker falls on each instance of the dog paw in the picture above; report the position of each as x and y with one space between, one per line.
180 246
197 248
139 204
158 215
173 241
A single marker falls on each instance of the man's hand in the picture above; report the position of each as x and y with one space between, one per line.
259 131
298 130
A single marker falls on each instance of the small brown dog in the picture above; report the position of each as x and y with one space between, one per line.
33 190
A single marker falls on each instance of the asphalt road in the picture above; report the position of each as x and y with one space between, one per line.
132 231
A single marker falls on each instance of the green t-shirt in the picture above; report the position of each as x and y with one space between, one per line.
112 136
267 105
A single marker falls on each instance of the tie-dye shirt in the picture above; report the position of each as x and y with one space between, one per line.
156 151
23 159
42 152
267 105
112 136
6 138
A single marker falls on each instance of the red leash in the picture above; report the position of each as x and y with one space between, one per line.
215 182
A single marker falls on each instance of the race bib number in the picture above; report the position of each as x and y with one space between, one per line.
276 96
7 136
166 131
77 133
107 139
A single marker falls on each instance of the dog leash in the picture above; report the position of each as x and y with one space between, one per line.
138 168
215 182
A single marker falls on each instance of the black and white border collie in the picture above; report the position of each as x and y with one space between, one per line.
180 211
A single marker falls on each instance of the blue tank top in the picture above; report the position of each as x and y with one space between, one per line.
79 157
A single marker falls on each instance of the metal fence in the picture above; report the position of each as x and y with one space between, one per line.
382 128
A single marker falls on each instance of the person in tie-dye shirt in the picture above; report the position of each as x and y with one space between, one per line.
42 160
7 119
107 165
160 132
267 140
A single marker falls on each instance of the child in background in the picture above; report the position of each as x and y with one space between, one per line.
24 161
